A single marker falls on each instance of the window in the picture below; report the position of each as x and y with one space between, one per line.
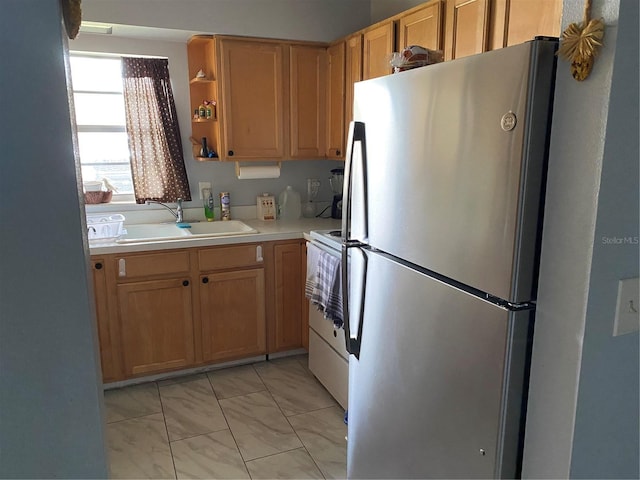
127 125
101 123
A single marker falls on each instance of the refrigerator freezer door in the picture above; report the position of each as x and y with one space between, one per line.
455 156
426 394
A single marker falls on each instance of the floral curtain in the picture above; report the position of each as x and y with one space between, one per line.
157 163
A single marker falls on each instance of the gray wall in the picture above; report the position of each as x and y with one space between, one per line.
318 20
583 402
51 422
381 9
605 443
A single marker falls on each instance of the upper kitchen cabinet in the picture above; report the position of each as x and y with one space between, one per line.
203 88
253 96
270 97
335 100
378 45
517 21
353 71
307 101
421 26
466 28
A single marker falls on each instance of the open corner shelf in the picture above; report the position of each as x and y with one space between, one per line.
200 80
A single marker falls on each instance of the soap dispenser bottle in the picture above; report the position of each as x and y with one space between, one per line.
207 196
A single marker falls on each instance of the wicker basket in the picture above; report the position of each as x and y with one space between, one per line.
92 198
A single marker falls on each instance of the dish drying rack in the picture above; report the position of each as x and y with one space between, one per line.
105 228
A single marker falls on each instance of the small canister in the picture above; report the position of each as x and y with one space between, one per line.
225 206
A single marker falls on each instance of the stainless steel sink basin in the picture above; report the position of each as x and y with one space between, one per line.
153 232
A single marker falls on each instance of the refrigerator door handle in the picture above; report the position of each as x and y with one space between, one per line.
356 134
353 343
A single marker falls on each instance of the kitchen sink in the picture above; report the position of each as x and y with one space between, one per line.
230 227
153 232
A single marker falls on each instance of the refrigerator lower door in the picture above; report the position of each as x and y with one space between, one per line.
437 389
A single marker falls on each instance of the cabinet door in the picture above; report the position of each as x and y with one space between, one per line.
422 27
353 73
307 101
377 49
289 290
527 18
466 29
335 100
232 311
252 106
108 358
156 325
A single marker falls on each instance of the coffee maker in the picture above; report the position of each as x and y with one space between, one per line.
336 181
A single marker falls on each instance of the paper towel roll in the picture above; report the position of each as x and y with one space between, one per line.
262 171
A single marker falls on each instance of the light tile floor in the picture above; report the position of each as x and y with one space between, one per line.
267 420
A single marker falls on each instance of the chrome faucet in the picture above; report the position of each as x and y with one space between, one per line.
178 213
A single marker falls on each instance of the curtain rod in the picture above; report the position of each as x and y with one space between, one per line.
78 53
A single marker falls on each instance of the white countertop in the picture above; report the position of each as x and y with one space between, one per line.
267 232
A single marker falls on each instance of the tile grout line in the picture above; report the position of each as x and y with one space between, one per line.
293 430
132 418
229 427
164 418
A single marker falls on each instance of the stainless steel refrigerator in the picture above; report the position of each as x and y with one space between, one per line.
444 188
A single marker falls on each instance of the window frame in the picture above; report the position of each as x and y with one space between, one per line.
117 197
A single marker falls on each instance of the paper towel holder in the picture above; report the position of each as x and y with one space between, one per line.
253 164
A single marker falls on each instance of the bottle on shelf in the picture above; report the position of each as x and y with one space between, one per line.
202 111
204 150
208 110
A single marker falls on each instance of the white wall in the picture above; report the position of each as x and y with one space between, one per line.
583 397
51 423
318 20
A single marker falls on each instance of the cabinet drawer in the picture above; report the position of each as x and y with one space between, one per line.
130 267
329 368
325 329
229 257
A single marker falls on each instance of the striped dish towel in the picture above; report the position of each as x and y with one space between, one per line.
327 291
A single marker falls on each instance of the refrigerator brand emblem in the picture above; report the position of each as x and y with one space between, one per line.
508 121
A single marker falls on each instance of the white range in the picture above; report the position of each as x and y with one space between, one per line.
328 357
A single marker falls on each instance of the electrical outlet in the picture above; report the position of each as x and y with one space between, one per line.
202 186
628 307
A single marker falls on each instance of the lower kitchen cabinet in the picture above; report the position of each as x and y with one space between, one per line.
108 359
156 325
232 313
159 311
286 327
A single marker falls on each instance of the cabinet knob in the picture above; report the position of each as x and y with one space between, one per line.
205 280
185 283
337 152
98 266
230 153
